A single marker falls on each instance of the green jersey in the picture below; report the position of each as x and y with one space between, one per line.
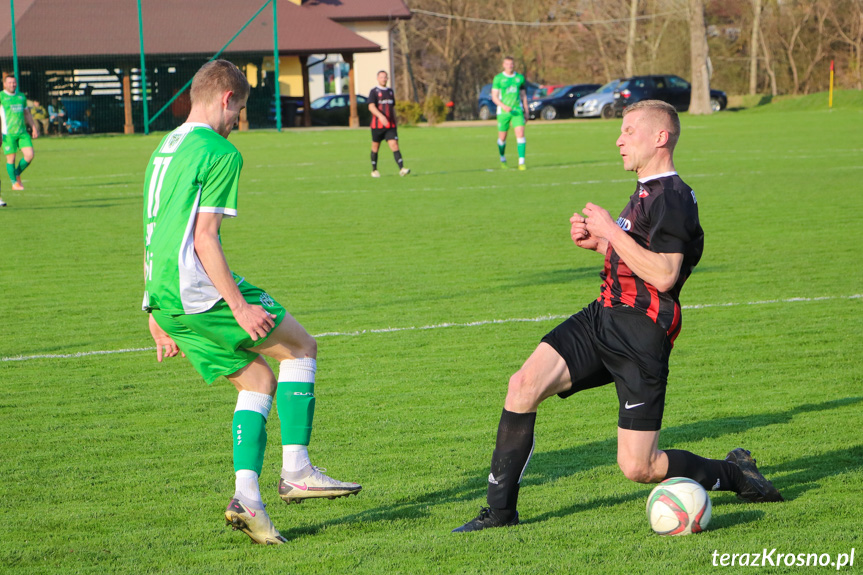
12 107
193 170
510 90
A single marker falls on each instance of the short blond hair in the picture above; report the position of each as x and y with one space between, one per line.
662 111
215 78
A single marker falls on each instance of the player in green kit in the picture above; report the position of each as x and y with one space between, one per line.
217 319
509 92
15 117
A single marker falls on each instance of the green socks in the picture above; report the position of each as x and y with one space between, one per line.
250 430
522 145
295 399
10 169
22 165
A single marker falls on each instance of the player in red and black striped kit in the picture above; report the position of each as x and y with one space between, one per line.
382 105
625 336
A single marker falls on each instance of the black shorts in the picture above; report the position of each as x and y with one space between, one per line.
619 344
381 134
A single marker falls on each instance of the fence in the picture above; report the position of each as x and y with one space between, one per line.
116 92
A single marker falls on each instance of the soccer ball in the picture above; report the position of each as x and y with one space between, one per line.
678 506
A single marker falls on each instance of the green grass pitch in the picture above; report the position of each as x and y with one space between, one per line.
426 293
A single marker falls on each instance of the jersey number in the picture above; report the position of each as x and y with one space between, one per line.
160 166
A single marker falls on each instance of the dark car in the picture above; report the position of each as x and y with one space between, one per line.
668 88
329 110
561 102
335 110
488 109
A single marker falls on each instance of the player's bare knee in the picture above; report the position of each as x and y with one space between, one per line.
635 471
311 348
523 391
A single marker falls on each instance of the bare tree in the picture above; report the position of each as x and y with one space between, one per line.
794 18
630 43
821 39
699 102
768 65
753 46
848 21
410 89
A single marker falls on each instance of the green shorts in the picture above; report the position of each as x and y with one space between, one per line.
505 119
14 142
213 340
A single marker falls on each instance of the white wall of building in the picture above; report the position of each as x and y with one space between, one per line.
366 66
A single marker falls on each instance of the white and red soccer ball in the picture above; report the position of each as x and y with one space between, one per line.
678 506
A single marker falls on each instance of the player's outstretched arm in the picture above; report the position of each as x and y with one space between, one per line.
165 346
254 319
659 270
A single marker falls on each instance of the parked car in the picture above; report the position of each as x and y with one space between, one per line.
546 90
488 109
335 110
560 103
599 104
668 88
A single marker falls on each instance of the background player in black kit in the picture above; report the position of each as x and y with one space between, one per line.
382 105
624 336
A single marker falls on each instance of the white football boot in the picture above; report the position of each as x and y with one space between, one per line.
310 483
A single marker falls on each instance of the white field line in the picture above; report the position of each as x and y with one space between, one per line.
435 326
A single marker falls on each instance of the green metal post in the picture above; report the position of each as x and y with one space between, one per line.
216 55
276 63
143 72
14 42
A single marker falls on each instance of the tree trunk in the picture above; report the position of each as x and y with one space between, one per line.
410 86
768 65
630 43
753 46
699 102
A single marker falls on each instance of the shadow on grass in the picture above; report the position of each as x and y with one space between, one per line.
84 203
735 518
546 467
554 277
511 167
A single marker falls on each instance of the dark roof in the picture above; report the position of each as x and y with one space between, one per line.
100 27
355 10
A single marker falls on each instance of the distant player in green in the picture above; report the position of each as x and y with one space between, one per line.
217 319
14 118
509 92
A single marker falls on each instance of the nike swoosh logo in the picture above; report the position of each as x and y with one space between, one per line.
302 487
627 406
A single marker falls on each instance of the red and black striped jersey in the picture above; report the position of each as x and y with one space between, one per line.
661 216
385 101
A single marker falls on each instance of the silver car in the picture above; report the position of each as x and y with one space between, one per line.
598 104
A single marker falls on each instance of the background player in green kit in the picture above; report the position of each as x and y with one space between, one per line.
509 92
15 117
218 320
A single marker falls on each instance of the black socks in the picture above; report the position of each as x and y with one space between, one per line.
712 474
512 452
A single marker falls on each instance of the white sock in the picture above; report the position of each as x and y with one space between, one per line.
295 457
299 370
247 487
